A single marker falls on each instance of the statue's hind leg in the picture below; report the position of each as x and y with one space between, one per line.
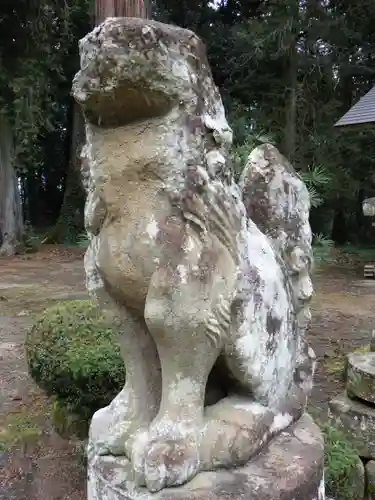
137 404
189 339
239 426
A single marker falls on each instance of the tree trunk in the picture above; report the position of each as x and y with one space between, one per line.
11 220
290 137
70 222
291 105
122 8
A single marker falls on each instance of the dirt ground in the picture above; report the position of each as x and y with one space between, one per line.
37 464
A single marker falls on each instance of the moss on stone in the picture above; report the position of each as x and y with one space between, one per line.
338 365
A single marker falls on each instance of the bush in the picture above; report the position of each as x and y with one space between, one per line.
73 355
68 423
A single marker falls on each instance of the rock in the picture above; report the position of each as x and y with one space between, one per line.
370 478
361 376
358 481
357 421
290 468
23 313
372 343
368 207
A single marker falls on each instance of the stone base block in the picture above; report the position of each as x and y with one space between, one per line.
290 468
361 376
370 474
357 421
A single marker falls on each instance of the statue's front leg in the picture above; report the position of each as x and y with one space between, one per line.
179 316
133 409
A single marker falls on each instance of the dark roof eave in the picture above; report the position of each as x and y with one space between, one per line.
350 126
362 113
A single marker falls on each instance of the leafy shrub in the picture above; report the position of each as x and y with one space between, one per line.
82 240
341 465
67 422
240 152
73 355
30 241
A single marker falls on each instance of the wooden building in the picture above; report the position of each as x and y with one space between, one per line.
362 113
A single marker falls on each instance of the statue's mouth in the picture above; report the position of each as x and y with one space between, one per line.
124 105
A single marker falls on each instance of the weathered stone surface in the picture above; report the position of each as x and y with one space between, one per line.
361 376
278 201
370 478
198 291
372 342
368 207
291 468
358 481
357 421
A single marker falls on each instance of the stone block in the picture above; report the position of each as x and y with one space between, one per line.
370 478
358 483
290 468
361 376
357 421
372 343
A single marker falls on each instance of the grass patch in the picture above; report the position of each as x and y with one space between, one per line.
18 428
341 462
348 255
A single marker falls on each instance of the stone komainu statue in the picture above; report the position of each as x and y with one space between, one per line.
208 281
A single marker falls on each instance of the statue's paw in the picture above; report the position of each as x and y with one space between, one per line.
113 428
120 441
170 463
166 454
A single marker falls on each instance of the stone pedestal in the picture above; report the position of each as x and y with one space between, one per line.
370 474
291 467
353 411
361 376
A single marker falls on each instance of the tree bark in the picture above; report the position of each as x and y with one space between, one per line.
11 220
122 8
291 106
70 222
290 137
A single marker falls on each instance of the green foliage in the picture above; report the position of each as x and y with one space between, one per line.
30 241
341 465
241 152
73 355
286 69
67 422
322 249
82 240
315 178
